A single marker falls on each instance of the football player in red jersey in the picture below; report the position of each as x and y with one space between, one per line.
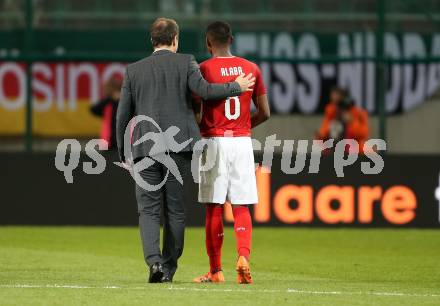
227 125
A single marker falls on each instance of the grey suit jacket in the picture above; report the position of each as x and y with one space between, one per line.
160 86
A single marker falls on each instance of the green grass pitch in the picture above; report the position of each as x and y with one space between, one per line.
104 266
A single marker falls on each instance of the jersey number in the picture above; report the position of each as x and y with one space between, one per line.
236 108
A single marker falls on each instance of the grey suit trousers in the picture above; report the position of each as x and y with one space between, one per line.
149 208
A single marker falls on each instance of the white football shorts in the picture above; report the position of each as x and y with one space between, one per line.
227 171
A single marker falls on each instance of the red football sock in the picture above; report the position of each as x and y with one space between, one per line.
243 229
214 235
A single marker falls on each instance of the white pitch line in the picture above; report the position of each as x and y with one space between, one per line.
297 291
59 286
310 292
363 293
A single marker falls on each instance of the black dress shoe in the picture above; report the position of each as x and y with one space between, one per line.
167 279
156 273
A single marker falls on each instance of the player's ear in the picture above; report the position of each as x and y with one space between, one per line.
208 45
231 39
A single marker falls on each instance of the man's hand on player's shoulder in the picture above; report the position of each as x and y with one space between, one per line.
245 82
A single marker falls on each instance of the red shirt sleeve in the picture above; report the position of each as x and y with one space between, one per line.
259 88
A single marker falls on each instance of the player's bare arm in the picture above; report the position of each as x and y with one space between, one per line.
263 111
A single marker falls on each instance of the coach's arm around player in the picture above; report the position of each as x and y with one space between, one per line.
209 91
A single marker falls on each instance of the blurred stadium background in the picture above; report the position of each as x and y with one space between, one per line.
313 44
304 48
385 52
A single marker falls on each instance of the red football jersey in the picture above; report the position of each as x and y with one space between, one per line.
232 115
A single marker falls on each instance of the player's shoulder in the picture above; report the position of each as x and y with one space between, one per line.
247 62
207 62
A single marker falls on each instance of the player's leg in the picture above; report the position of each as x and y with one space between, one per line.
214 236
212 191
214 243
243 229
243 192
243 234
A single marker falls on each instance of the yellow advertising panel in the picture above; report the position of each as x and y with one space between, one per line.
63 94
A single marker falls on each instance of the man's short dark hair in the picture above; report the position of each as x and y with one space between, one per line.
219 32
346 101
163 31
342 91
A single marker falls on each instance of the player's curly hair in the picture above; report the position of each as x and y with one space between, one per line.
219 32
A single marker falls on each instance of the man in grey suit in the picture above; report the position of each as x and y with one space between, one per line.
160 86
